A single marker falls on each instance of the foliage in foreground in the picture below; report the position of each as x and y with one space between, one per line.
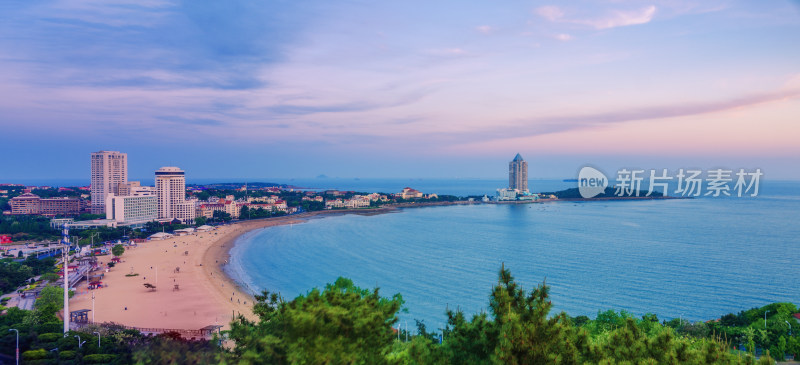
340 324
344 324
347 324
45 344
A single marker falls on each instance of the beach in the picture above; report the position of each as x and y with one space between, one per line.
205 295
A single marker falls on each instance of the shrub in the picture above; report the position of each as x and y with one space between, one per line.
50 337
98 358
34 354
67 354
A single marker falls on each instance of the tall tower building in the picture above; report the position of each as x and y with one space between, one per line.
518 174
109 169
171 191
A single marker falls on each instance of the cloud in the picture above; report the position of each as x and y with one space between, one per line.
356 106
560 123
121 43
447 51
624 18
614 19
550 12
485 29
563 37
191 121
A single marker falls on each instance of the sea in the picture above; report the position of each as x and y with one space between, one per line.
696 259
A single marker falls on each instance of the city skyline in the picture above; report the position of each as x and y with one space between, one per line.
444 90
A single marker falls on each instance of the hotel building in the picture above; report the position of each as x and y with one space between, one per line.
109 169
171 192
518 174
138 206
33 204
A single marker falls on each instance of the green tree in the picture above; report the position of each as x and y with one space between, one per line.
221 216
117 250
49 302
244 213
340 324
50 277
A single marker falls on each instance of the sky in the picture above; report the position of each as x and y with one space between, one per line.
444 89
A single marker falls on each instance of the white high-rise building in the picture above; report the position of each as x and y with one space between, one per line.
171 191
139 205
109 169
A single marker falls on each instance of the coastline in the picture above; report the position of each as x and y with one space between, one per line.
222 249
209 294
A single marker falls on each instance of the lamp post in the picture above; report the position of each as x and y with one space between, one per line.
765 319
790 328
17 331
65 255
98 338
80 344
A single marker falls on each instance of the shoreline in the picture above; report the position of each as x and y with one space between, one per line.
223 249
208 294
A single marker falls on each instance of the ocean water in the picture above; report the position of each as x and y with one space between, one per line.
695 258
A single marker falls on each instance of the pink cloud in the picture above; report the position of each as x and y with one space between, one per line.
485 29
614 19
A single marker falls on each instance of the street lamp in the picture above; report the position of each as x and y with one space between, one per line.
765 319
790 328
80 344
98 338
17 331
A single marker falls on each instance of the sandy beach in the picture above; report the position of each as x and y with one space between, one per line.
205 294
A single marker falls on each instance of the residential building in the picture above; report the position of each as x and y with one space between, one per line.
264 199
265 206
138 206
232 207
126 188
409 193
26 203
60 206
109 169
207 209
507 194
378 197
357 201
29 203
518 174
228 205
171 192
